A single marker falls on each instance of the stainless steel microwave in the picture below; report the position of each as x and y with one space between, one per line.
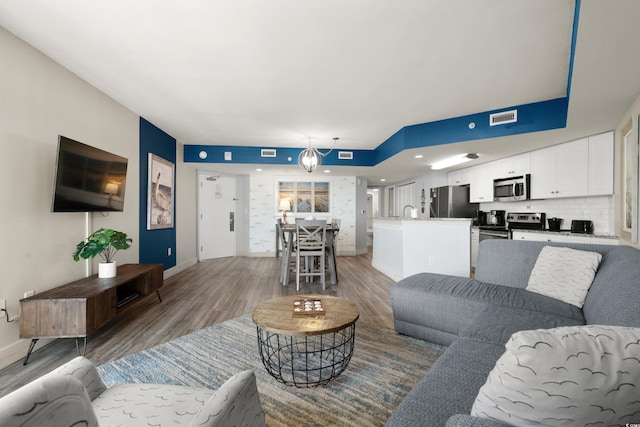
511 189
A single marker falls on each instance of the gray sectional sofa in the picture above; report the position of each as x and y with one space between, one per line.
476 317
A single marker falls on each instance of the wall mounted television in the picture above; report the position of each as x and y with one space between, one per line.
88 179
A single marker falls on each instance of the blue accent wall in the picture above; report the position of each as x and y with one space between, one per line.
534 117
154 243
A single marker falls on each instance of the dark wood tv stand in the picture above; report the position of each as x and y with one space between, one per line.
77 309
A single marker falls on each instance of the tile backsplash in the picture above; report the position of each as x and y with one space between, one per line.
597 209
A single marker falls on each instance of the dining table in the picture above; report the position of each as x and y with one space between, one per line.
290 231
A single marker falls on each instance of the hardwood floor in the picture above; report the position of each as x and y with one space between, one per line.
207 293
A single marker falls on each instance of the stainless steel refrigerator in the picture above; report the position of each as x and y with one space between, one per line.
452 201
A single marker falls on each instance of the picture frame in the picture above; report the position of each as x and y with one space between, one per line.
161 194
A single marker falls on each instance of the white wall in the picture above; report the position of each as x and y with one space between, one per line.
263 213
186 213
39 100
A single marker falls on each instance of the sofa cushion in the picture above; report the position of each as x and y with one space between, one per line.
495 324
449 387
56 401
577 375
509 262
449 304
466 420
614 296
564 273
149 404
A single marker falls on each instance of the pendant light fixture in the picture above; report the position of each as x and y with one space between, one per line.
310 158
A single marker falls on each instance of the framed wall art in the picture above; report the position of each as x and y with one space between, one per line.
160 202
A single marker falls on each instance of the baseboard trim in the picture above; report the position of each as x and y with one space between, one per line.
18 350
180 267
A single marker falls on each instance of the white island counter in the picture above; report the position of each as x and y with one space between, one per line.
402 247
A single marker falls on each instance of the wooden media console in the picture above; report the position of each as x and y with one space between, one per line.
77 309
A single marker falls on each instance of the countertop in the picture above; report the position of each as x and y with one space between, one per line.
393 218
569 233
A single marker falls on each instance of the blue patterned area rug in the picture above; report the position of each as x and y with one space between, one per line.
385 366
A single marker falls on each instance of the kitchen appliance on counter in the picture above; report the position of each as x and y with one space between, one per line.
554 223
582 226
496 218
494 226
512 189
452 201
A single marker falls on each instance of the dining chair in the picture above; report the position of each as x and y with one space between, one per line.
288 253
331 248
311 240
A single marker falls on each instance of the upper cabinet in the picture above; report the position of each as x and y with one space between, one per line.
561 170
459 177
601 164
512 166
579 168
481 188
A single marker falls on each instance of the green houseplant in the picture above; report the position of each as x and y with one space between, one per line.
106 243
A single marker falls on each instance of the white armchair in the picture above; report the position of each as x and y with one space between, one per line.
74 394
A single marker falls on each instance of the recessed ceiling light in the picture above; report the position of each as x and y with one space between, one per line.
418 156
259 170
327 171
383 179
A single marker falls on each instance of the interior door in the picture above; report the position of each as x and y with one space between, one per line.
216 219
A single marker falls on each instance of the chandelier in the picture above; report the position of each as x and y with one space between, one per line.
310 158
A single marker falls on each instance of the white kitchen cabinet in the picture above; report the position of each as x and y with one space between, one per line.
519 165
481 188
563 238
475 241
601 164
561 170
459 177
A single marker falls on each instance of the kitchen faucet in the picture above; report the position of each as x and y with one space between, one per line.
404 209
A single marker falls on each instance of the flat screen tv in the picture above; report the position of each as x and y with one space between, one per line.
88 179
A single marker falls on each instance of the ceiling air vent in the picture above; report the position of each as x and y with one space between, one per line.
345 155
503 118
267 152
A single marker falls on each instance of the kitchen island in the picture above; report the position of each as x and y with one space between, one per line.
402 247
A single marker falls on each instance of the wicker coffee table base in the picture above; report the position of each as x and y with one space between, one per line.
306 361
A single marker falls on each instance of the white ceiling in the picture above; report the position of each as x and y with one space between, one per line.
278 73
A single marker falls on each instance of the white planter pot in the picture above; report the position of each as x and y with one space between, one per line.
107 269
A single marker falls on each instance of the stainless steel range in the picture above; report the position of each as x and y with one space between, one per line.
514 221
526 220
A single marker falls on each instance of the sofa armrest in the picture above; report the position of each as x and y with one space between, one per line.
463 420
84 371
235 403
51 400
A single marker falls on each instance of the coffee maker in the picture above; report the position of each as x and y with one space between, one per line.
495 218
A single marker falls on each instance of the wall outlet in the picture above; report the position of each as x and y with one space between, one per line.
168 251
29 294
3 304
431 260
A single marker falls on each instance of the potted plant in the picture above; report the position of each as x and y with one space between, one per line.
104 242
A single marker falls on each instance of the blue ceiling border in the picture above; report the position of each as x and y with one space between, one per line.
533 117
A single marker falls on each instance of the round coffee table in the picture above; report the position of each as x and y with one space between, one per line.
306 350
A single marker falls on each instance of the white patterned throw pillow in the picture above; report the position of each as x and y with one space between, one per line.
564 273
569 376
